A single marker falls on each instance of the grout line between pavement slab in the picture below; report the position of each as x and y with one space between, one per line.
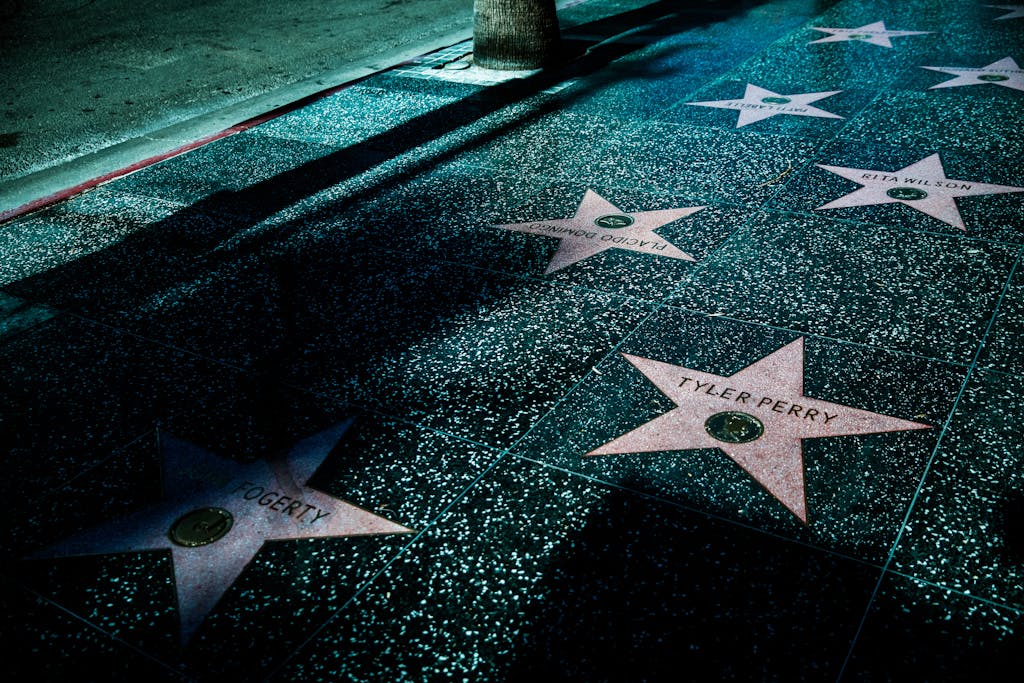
927 469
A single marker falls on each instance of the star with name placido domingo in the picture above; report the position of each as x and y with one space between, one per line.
217 514
874 33
922 185
758 104
599 225
1004 72
758 417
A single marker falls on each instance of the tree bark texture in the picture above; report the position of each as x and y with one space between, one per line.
514 34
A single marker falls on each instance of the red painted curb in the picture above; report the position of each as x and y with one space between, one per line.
93 182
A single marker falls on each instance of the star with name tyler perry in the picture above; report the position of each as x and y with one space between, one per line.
758 417
599 225
1004 72
240 505
1015 11
758 104
922 185
874 33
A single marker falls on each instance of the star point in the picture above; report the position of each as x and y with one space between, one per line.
874 33
758 104
922 185
217 514
1014 11
599 225
758 416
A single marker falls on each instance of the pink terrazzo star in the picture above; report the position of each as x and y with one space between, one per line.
922 185
1004 72
599 225
758 104
875 33
768 393
264 501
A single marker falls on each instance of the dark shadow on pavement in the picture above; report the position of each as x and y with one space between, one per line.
170 260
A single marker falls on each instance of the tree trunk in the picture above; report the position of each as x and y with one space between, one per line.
514 34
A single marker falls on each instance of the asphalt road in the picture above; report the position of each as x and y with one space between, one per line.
88 86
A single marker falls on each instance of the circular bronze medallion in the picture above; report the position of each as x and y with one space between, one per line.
993 78
614 220
201 527
907 193
776 100
734 427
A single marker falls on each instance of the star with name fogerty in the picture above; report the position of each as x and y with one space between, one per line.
922 185
758 104
1004 72
1015 11
758 416
217 514
599 225
875 33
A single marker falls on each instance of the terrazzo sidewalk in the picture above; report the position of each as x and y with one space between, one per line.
695 358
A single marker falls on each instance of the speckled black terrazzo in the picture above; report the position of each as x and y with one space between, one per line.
556 144
966 532
353 115
250 176
918 631
463 350
1002 350
864 284
644 83
31 623
728 167
408 473
98 231
67 372
943 120
17 314
461 233
344 263
553 576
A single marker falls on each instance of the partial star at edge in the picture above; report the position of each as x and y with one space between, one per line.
599 225
1015 11
758 104
1004 72
770 390
264 500
922 185
874 33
